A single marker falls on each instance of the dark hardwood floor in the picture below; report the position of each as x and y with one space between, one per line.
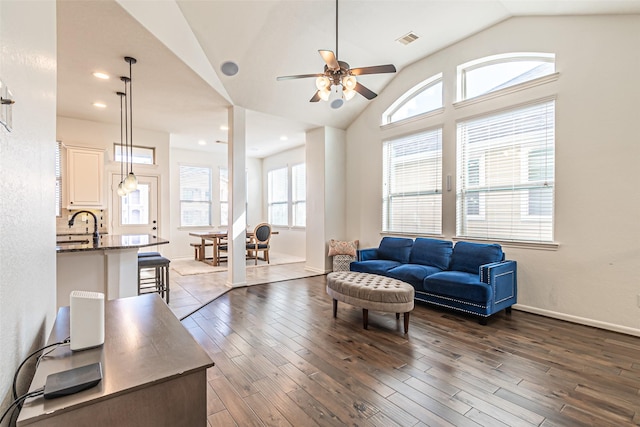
283 360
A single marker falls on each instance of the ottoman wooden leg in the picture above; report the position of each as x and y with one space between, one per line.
365 318
335 307
406 322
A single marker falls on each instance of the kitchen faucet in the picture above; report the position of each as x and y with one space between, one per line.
96 236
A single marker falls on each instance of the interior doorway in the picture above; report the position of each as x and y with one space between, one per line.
137 212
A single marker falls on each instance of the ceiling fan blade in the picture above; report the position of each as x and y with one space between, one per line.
376 69
367 93
330 58
298 76
315 97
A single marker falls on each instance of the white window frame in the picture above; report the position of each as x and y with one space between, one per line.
463 69
58 171
409 95
187 201
223 202
139 153
491 145
272 203
388 196
294 200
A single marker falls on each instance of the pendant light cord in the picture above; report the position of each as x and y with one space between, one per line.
337 31
131 116
121 94
126 123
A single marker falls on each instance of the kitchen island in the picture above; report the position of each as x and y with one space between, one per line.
110 266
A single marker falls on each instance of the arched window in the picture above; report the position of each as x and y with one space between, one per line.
492 73
424 97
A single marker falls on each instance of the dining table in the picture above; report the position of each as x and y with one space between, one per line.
215 236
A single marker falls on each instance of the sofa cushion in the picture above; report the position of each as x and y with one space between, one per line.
413 274
395 249
459 285
434 252
468 257
374 266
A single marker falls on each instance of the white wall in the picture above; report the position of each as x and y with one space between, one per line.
592 277
84 133
27 188
290 240
179 237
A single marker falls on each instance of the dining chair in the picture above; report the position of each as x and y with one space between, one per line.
259 241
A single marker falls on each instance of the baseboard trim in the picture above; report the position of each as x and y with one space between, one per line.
580 320
316 270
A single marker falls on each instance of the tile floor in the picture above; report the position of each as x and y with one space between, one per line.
190 293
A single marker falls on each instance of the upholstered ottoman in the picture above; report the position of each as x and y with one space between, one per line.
371 292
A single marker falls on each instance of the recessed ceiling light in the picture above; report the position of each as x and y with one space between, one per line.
229 68
283 138
100 75
99 105
224 127
202 142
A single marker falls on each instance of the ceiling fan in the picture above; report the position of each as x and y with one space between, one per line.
338 82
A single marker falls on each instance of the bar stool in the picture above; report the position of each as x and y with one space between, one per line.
159 280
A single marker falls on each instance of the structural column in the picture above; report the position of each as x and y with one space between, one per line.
326 194
236 159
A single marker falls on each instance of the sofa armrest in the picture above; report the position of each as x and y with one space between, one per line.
503 278
367 254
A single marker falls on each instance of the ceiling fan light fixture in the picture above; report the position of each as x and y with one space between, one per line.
323 83
349 82
324 94
348 94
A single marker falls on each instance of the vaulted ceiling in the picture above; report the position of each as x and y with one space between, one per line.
180 46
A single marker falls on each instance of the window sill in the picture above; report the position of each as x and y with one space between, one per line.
545 246
507 91
412 119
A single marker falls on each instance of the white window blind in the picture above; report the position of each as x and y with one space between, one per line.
278 196
505 188
412 184
299 195
195 196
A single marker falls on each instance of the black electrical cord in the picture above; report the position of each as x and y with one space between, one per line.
15 376
18 401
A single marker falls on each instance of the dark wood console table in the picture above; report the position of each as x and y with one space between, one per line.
154 372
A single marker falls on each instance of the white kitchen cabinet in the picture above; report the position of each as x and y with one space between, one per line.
85 178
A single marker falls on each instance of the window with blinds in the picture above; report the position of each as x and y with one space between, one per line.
278 196
505 188
412 184
299 195
224 196
195 196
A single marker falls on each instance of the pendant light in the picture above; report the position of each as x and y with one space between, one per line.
121 191
130 182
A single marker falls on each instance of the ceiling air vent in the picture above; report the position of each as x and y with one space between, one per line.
408 38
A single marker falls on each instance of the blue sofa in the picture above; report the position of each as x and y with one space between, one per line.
469 277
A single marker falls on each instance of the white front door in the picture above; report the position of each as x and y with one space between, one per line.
137 212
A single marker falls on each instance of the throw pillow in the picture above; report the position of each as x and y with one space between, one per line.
339 247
